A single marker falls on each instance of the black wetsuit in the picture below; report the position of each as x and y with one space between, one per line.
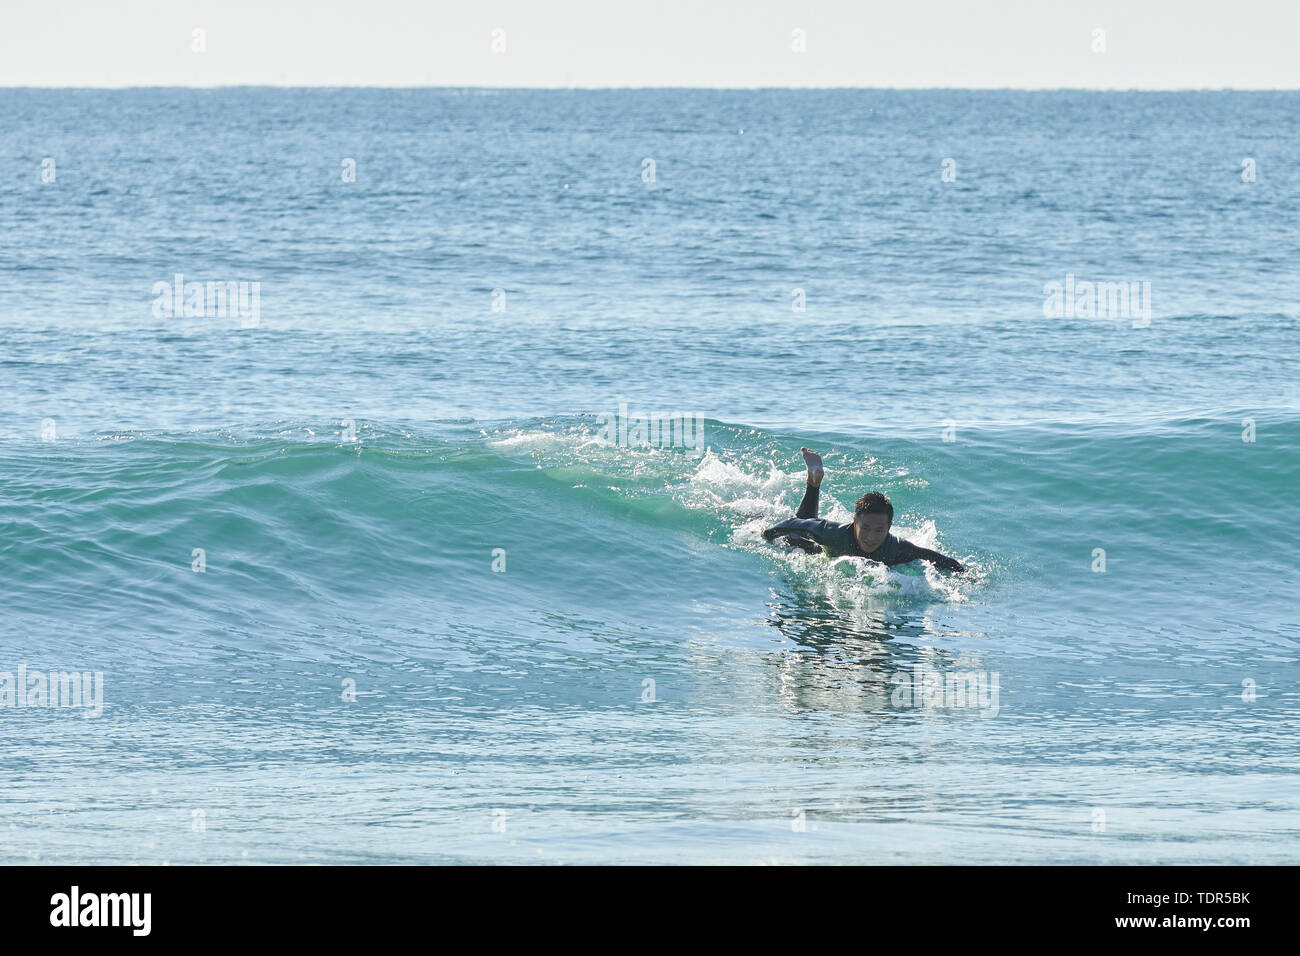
805 530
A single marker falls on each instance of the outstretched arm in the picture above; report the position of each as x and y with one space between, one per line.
940 561
814 528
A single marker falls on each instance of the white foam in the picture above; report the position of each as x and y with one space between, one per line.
752 497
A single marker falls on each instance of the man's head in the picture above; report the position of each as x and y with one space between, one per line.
872 516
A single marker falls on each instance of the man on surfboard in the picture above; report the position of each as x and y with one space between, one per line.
866 536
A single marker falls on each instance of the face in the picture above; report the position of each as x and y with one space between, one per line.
871 531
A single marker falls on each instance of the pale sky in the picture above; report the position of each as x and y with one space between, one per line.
1149 44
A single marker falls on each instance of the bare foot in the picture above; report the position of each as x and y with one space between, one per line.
814 463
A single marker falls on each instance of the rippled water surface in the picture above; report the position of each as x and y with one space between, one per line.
365 584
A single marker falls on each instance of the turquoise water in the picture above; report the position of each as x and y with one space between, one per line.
563 649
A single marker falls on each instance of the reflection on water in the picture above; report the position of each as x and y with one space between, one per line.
872 660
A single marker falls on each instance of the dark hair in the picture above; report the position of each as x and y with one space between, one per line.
873 503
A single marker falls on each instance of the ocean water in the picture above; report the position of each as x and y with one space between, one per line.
367 581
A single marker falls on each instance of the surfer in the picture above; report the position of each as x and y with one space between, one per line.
866 536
